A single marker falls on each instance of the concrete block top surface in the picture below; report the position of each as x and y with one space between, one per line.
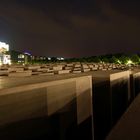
8 82
24 87
135 71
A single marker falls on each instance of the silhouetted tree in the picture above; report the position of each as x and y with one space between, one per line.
123 59
114 60
135 58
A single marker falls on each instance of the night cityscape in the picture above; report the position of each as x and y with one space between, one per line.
69 70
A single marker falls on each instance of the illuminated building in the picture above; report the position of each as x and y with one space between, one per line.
5 58
18 57
61 58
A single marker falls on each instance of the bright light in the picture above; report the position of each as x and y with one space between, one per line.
60 58
49 58
6 59
27 53
129 62
21 56
119 61
3 47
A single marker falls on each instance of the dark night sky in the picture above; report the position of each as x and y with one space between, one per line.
71 28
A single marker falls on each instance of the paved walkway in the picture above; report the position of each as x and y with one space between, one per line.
128 128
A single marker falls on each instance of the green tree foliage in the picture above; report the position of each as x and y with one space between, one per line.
135 58
53 59
123 59
105 60
96 59
114 60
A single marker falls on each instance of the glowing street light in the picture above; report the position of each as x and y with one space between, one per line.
129 62
119 61
49 58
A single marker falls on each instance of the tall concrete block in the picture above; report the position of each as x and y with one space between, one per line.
101 107
135 83
55 110
120 94
84 99
111 95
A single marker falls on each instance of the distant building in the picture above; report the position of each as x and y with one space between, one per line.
45 58
20 57
5 57
39 58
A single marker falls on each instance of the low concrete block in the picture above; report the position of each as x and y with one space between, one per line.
70 65
47 74
14 69
68 68
77 65
94 68
36 73
33 67
76 71
104 69
64 72
85 67
109 69
57 68
86 70
4 72
20 74
42 70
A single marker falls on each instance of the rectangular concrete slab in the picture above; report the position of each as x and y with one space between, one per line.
58 107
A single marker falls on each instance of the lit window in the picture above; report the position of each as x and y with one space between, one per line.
21 56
